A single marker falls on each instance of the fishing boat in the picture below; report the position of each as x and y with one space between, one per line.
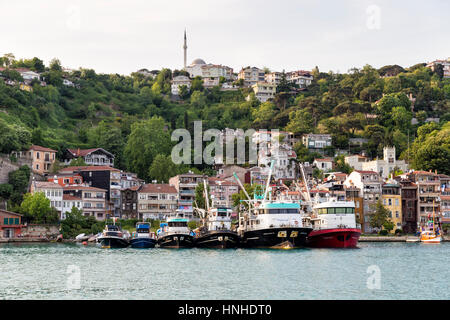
113 237
175 232
215 231
272 224
142 237
431 234
334 225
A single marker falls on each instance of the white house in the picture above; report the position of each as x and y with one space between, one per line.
356 161
301 78
179 81
387 165
264 91
52 191
325 164
284 166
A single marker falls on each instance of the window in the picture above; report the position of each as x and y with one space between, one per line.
16 221
5 221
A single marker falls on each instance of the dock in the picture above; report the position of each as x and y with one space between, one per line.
393 239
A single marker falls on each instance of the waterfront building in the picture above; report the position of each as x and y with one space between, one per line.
387 165
185 185
92 157
10 224
92 201
156 201
251 76
179 81
428 195
103 177
409 205
354 194
221 192
445 198
316 142
129 200
264 91
393 202
369 184
325 164
52 191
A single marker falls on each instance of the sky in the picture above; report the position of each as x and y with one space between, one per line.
116 36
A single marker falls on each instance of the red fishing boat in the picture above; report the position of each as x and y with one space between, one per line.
334 225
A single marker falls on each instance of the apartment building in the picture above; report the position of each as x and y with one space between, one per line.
264 91
92 200
52 191
428 195
221 192
445 198
179 81
156 201
369 184
392 200
185 185
409 205
251 76
301 78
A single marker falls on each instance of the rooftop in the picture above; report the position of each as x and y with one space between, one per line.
157 188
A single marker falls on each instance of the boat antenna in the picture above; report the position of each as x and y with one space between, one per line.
240 185
268 179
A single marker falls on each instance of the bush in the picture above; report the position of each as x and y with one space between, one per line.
398 232
383 233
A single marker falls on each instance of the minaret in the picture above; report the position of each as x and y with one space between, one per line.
185 49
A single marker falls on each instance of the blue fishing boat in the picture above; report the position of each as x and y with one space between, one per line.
142 237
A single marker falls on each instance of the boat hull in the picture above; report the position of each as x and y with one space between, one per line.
277 238
178 240
143 243
217 239
113 242
334 238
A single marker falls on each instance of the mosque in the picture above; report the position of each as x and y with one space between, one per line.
199 67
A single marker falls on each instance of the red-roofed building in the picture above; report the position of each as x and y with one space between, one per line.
94 156
42 158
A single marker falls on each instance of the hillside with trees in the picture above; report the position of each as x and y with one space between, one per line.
133 116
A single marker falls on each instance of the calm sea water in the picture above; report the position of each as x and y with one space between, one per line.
407 271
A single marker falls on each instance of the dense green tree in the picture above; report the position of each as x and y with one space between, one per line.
36 207
162 168
147 139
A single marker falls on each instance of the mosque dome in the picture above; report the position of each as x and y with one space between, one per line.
198 61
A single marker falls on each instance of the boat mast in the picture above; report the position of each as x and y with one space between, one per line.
242 187
268 180
206 195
